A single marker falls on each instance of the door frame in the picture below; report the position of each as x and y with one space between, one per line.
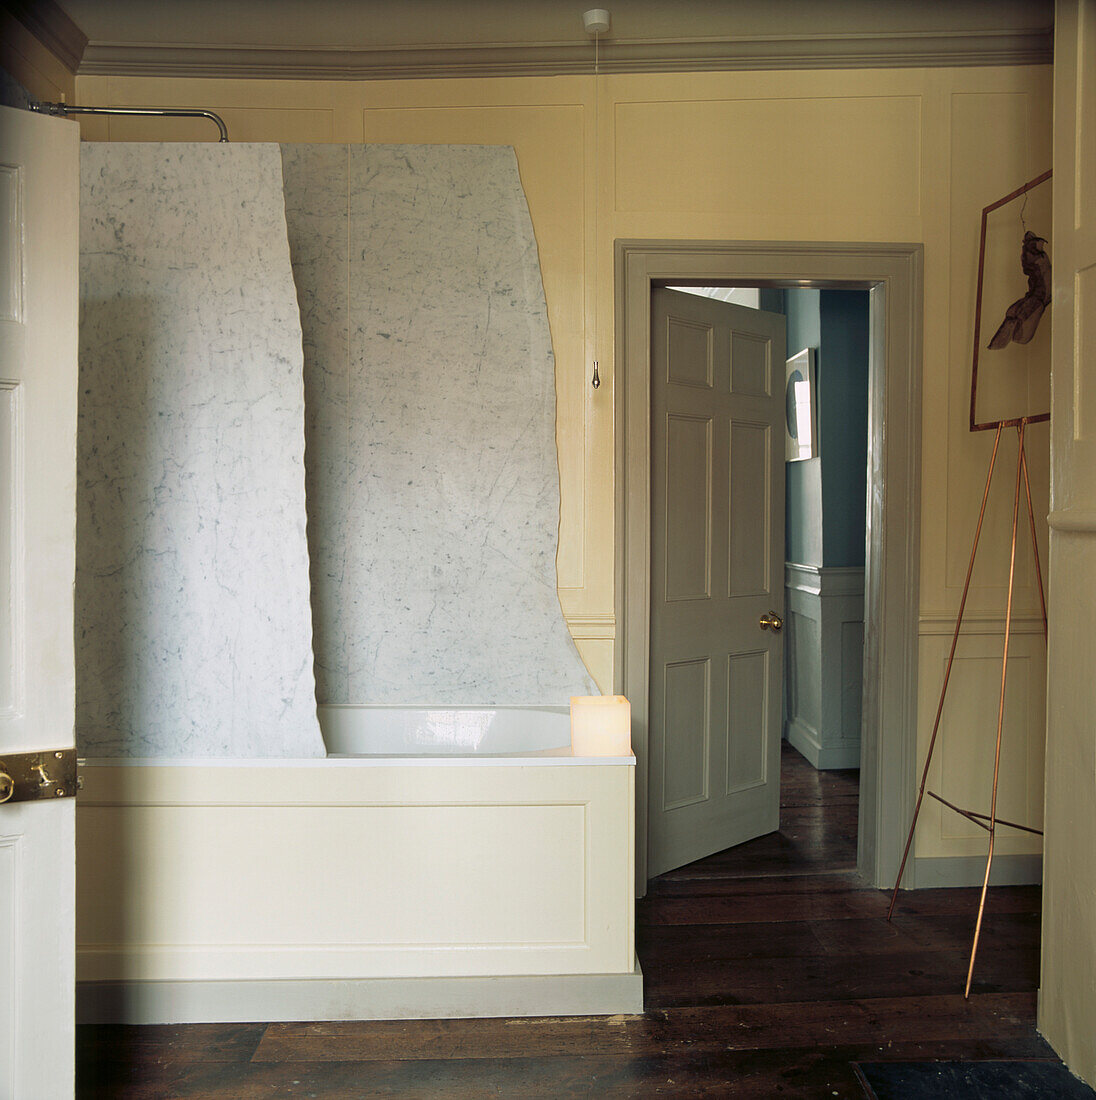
893 274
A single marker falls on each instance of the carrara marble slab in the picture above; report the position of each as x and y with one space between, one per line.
193 631
433 477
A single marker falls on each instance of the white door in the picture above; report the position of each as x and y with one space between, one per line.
39 243
717 569
1067 1008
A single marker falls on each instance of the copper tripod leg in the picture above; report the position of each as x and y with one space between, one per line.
1020 468
947 676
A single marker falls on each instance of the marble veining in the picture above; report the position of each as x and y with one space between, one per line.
193 629
433 478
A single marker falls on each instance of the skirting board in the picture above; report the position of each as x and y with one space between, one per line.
1008 870
272 1001
804 739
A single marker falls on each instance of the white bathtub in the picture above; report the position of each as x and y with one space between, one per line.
405 875
488 735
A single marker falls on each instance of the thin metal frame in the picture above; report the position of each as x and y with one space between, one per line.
63 109
989 821
1017 420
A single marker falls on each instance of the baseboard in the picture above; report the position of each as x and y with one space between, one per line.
804 740
270 1001
940 871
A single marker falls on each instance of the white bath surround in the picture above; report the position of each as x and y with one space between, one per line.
361 887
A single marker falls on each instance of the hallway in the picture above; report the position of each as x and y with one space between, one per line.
768 970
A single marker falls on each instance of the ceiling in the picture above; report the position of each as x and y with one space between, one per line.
382 38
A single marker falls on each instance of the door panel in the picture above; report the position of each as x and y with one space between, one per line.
689 358
749 509
687 687
39 238
688 460
751 365
717 545
747 708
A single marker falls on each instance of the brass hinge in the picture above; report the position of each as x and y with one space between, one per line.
37 776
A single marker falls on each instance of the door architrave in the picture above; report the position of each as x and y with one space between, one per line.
893 274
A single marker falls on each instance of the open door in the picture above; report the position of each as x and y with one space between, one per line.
39 247
717 576
1067 1008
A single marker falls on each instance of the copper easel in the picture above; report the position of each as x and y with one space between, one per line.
989 821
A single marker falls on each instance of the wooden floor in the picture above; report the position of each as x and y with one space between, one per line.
769 970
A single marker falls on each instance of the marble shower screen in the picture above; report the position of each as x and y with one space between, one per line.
433 483
193 634
419 426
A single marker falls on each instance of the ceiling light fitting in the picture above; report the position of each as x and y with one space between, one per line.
596 21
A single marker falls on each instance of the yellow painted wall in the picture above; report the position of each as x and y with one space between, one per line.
861 155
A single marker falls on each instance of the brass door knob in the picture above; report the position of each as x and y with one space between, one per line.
7 786
771 621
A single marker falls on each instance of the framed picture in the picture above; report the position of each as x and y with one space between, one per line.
801 419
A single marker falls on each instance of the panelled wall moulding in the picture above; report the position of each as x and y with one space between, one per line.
1004 47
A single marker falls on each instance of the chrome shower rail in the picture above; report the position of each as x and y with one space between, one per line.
167 112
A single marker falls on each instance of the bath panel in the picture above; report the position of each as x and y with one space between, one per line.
192 603
344 887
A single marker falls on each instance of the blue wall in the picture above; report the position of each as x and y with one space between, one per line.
843 424
825 496
803 480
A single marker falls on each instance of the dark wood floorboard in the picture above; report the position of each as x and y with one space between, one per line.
769 970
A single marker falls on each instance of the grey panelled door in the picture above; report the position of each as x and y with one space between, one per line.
717 567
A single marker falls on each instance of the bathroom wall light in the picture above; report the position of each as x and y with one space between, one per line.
601 725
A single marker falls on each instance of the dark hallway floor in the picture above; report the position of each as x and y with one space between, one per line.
768 968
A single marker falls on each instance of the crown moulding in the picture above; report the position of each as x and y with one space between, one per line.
51 27
981 48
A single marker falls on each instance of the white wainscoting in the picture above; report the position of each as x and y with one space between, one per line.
823 654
